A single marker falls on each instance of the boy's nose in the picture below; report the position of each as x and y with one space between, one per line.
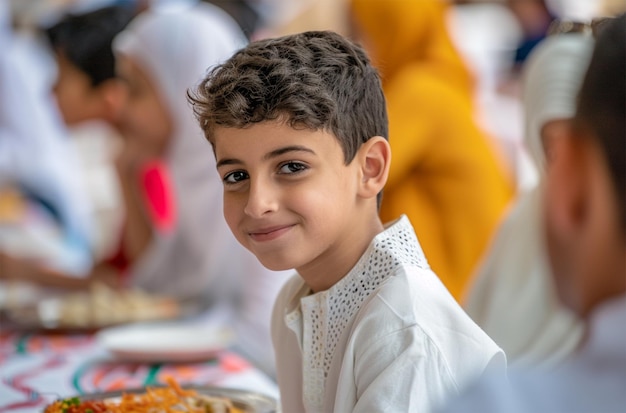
262 199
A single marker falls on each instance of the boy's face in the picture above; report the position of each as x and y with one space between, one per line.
288 195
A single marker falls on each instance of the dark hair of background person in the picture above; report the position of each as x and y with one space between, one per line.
85 39
602 101
242 12
316 80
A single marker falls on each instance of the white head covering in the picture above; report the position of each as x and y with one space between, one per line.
201 258
176 47
552 77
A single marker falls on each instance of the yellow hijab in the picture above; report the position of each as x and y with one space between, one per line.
403 32
444 176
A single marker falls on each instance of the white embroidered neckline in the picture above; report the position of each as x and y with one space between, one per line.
326 314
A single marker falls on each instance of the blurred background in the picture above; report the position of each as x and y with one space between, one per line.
105 176
493 37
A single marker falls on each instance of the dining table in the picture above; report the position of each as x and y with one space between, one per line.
39 364
39 367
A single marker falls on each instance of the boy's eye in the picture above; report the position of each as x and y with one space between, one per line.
292 167
235 177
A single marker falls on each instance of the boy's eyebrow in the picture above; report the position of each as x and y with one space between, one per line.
269 155
287 149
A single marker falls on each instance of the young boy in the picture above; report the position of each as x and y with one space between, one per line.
585 216
87 87
299 129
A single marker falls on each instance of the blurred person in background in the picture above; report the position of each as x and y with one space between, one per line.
86 89
512 296
175 240
445 174
53 221
488 35
160 56
90 97
584 213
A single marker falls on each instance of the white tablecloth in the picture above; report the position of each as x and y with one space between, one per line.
36 369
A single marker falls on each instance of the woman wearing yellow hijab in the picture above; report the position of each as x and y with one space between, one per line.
444 173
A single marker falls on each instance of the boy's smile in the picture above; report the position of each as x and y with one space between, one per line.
268 234
290 198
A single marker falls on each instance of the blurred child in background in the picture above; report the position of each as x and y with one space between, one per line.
38 164
86 89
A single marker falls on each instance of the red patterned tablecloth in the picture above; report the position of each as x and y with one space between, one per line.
36 369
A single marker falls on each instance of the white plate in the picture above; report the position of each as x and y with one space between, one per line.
157 342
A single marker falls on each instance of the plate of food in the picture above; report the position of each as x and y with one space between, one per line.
171 399
165 341
96 308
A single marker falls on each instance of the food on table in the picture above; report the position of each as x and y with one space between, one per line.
100 306
103 306
155 400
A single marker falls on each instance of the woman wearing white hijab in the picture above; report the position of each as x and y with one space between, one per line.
512 297
162 54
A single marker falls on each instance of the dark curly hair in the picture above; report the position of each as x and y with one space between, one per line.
313 80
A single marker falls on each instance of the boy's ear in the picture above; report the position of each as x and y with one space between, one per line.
375 158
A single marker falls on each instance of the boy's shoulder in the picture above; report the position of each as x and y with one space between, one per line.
414 296
415 303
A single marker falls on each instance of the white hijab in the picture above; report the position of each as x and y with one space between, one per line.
176 47
552 77
201 258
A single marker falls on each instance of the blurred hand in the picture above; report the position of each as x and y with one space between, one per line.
16 268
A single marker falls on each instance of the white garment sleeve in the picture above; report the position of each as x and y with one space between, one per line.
401 372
